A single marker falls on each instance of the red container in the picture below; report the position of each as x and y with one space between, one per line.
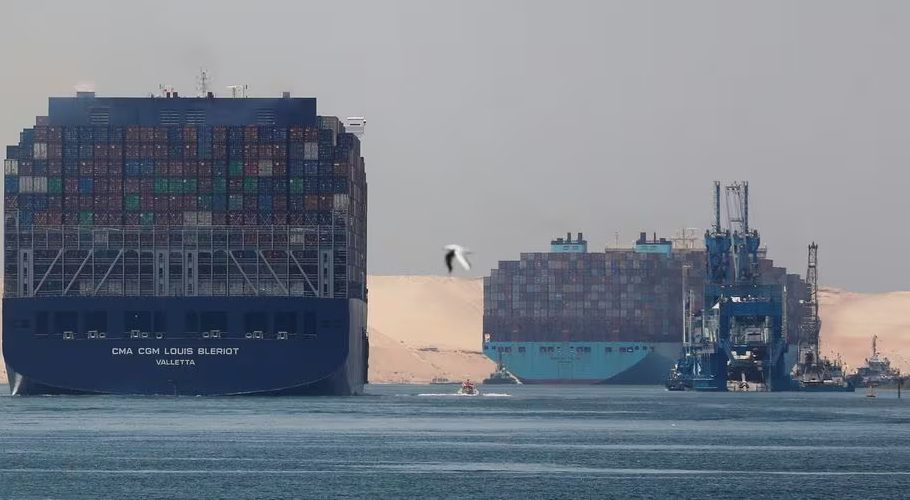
131 185
219 218
175 168
54 168
54 151
55 203
279 168
147 202
147 134
189 202
131 219
133 134
161 203
86 202
190 134
71 218
146 185
55 218
116 186
235 218
71 202
11 201
250 219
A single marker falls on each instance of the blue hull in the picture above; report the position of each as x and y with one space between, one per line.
585 362
306 346
645 363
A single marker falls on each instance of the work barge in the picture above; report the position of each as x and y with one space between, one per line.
738 341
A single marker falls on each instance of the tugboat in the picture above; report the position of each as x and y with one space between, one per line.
501 375
468 389
878 371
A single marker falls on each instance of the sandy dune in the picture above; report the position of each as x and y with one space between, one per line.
426 326
423 327
850 319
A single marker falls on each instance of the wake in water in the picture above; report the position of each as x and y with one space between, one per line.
450 394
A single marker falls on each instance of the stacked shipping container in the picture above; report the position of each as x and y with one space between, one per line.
617 295
183 173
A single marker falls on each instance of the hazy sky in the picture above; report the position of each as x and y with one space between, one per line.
499 125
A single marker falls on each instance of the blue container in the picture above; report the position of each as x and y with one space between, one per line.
40 202
341 185
86 134
147 168
265 185
265 203
86 185
26 217
219 202
133 168
11 184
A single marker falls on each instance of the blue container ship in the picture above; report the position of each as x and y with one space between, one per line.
186 246
570 316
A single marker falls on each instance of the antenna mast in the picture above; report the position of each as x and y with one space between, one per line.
202 83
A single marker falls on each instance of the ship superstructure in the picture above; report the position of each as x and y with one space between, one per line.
180 245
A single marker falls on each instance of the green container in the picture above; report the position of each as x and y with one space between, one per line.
161 185
235 202
297 185
147 218
235 169
219 185
190 185
175 185
250 185
204 202
131 202
86 218
54 185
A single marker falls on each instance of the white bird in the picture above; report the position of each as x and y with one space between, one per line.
458 253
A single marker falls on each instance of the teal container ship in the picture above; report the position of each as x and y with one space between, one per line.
616 316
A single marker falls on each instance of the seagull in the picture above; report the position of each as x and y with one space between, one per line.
457 252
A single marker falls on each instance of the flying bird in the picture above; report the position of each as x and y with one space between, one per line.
458 253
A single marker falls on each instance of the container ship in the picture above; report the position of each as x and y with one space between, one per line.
185 245
616 316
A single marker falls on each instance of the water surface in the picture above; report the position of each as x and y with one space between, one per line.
404 441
